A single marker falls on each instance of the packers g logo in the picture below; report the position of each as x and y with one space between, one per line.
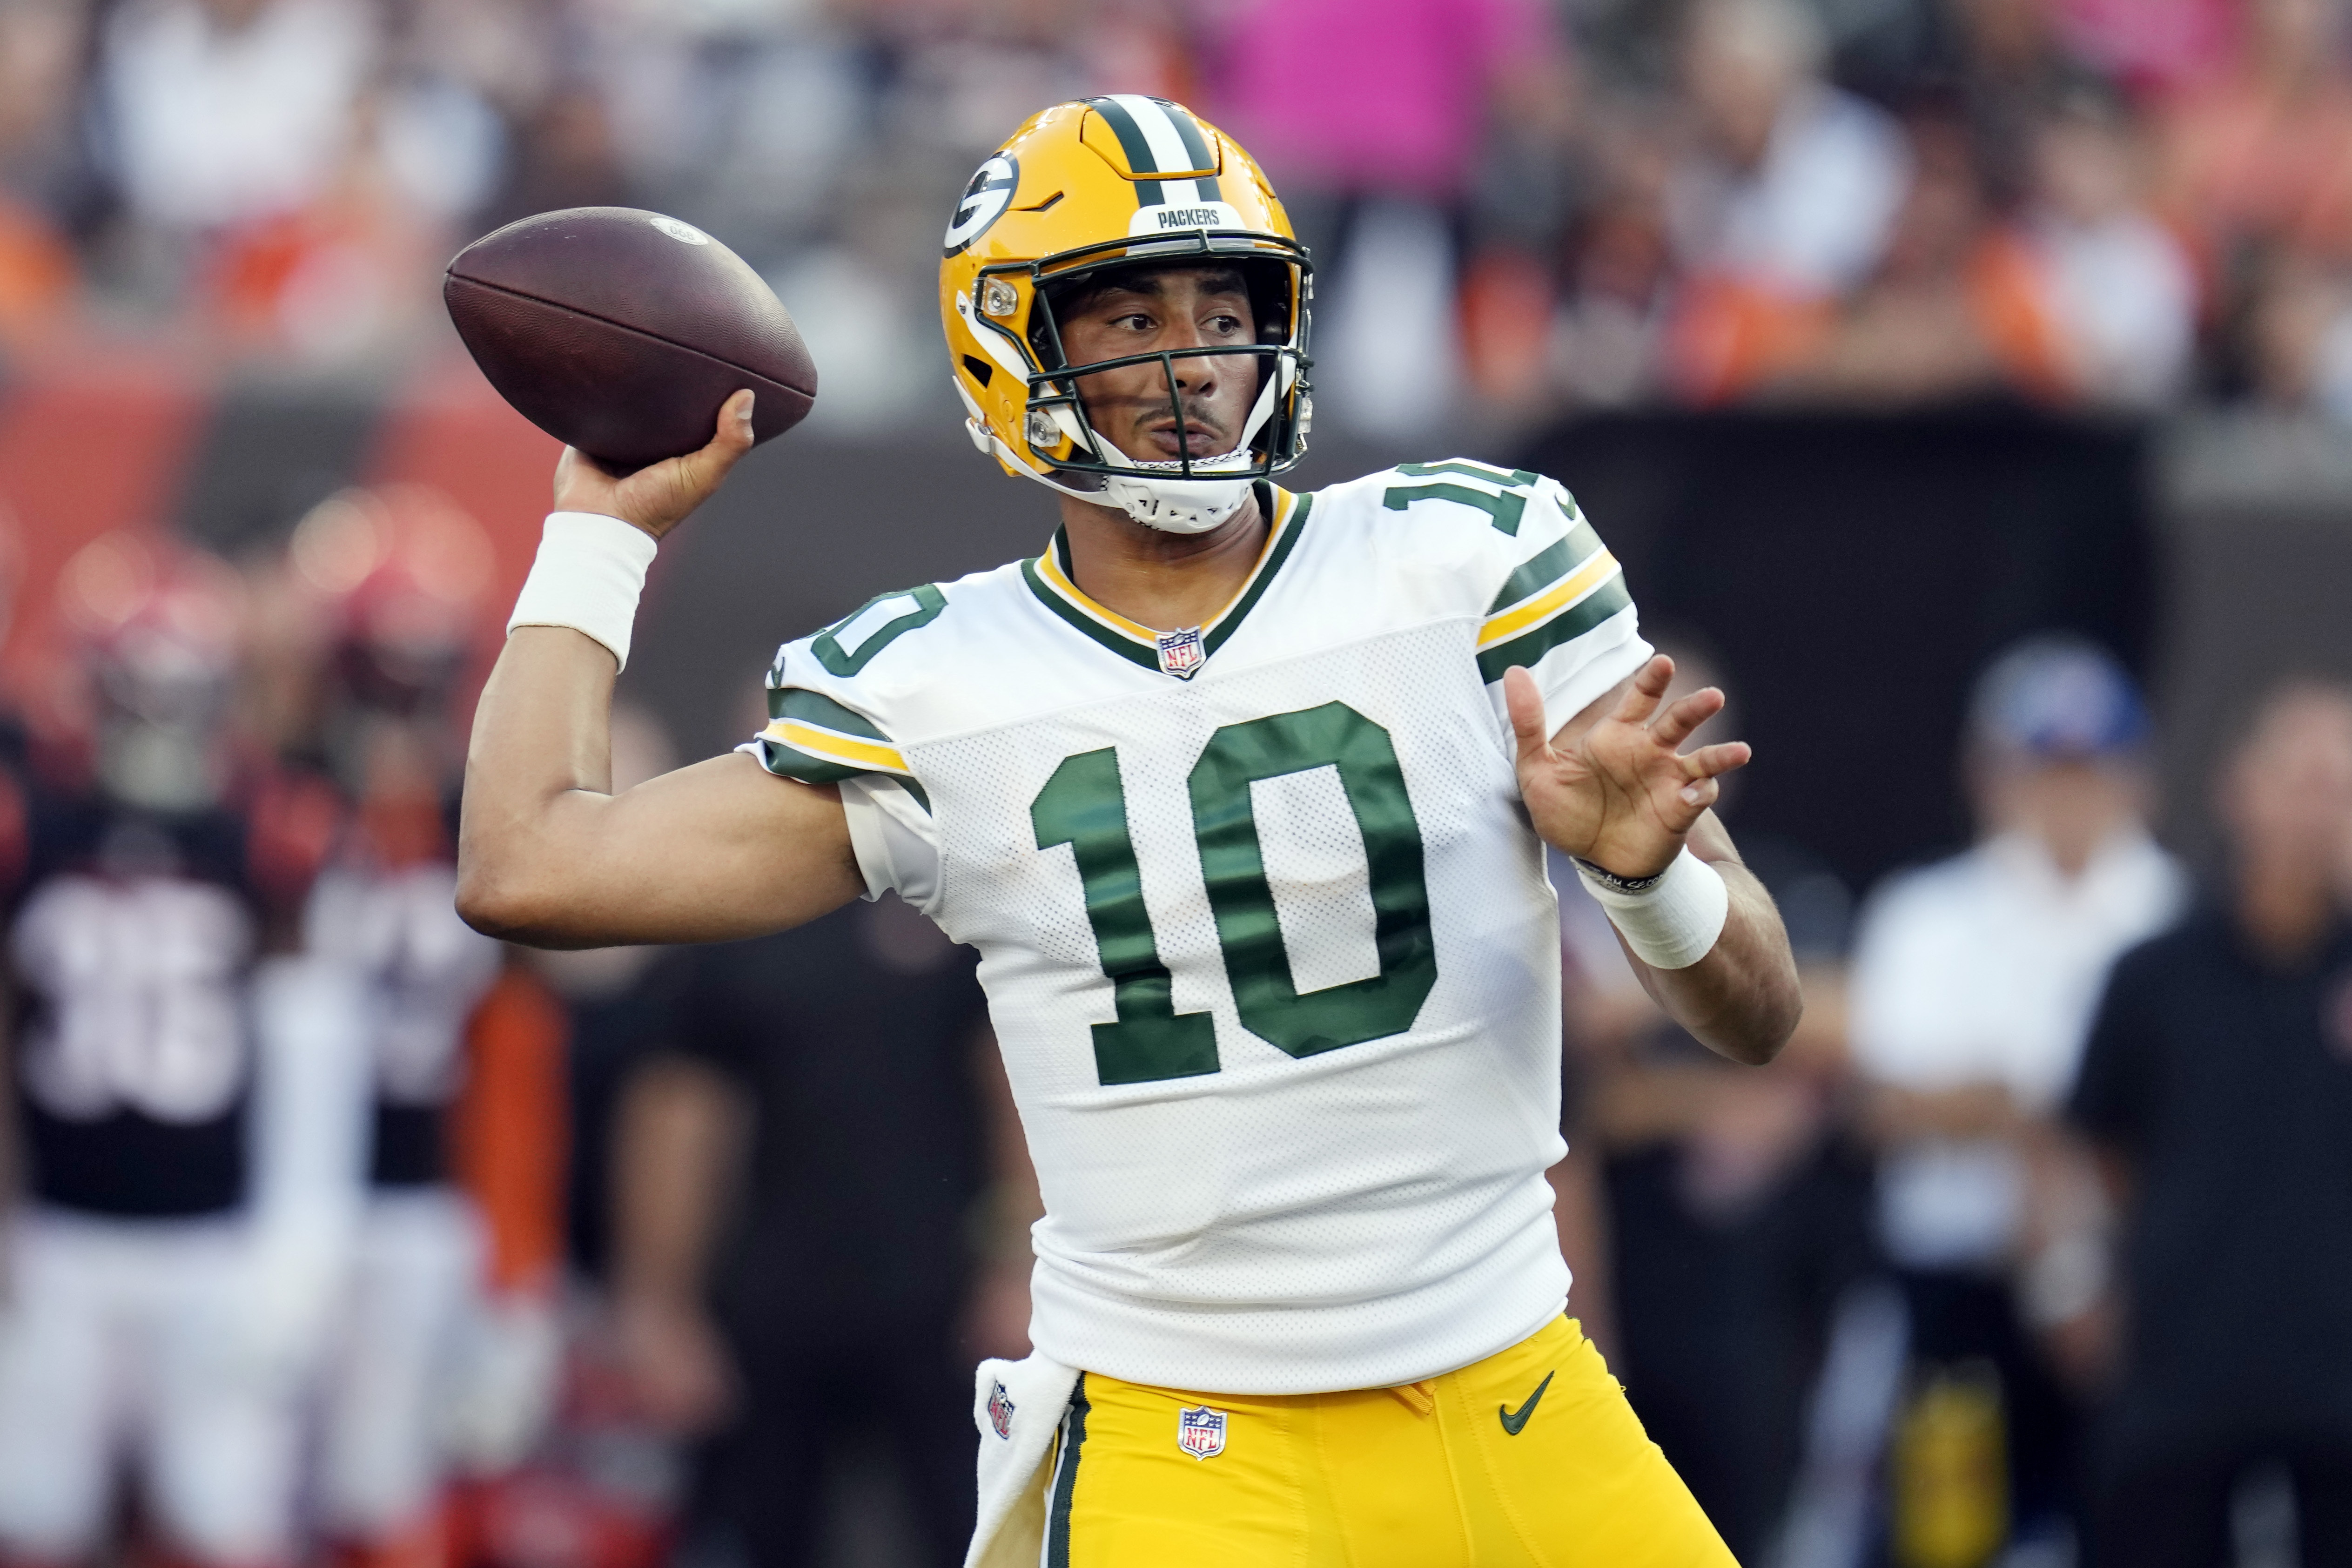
984 201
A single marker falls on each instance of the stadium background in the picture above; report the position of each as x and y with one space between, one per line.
211 328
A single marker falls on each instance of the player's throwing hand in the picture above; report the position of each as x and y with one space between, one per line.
657 497
1621 794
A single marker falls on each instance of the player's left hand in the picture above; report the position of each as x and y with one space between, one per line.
1619 791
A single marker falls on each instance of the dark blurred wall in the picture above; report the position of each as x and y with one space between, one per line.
2255 529
1853 573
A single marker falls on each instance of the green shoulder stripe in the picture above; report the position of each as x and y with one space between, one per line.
1529 647
815 707
788 761
1548 566
791 763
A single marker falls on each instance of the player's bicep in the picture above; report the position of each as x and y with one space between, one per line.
719 851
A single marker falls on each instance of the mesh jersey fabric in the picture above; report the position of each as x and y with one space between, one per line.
1270 951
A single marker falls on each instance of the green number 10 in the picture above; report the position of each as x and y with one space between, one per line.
1084 805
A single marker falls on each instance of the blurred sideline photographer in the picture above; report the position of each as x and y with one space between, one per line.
1973 982
831 1086
2218 1086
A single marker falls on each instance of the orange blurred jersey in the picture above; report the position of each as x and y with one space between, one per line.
508 1132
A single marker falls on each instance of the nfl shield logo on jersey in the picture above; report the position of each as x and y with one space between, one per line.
1201 1431
1000 1411
1179 652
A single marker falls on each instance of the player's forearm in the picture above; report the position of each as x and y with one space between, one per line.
1743 999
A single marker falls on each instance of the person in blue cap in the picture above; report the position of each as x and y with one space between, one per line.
1973 984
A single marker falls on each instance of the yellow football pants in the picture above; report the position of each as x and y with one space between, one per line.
1531 1457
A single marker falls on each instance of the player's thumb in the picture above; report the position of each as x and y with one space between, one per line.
734 436
1525 706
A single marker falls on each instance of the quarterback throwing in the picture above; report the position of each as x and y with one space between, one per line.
1242 795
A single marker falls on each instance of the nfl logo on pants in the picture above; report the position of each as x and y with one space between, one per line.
1201 1431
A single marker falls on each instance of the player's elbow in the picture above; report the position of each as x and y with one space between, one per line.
1765 1026
498 899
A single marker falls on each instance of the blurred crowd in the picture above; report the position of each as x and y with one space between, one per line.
1536 205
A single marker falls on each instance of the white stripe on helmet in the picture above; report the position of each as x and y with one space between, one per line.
1167 145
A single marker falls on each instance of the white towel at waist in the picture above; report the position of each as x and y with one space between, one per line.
1017 1404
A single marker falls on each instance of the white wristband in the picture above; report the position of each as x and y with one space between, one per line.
1673 923
588 574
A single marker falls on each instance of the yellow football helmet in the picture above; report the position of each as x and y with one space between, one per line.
1114 182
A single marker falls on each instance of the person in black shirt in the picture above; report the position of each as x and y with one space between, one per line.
827 1301
2217 1085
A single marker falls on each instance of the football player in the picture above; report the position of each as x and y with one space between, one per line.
171 1260
1243 796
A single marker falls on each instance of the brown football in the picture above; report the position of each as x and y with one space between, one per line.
621 332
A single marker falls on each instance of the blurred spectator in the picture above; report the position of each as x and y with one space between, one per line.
566 158
2149 46
1955 308
169 1257
1786 200
2007 65
223 111
1606 331
2218 1085
1369 119
2298 333
801 1195
41 47
1735 1213
2264 151
2116 283
1973 982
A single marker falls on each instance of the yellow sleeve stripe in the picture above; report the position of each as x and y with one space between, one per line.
834 747
1557 597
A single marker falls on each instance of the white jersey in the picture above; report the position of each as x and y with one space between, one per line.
1267 936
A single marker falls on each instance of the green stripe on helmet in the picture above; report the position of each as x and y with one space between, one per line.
1132 142
1196 146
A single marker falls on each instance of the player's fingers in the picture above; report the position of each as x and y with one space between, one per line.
1674 725
1710 762
1525 703
1640 698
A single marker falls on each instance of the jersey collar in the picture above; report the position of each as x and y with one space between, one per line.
1050 579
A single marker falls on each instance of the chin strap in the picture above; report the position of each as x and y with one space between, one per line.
1154 493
